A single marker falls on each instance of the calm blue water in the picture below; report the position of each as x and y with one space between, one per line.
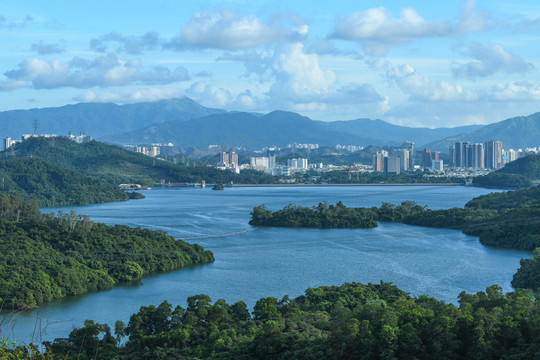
275 262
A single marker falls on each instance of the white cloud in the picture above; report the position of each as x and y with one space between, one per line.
128 96
299 78
102 71
422 88
491 58
514 91
377 29
229 31
471 19
214 96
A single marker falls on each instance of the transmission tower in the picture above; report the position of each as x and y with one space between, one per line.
36 126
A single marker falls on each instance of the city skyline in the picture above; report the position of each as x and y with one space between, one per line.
413 64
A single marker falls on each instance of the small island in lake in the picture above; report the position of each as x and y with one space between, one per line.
218 187
322 216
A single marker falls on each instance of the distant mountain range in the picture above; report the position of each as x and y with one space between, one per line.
279 128
184 122
97 119
515 133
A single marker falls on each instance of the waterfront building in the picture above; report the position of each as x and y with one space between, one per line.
391 165
409 145
403 155
493 154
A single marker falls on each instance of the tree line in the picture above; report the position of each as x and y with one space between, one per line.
351 321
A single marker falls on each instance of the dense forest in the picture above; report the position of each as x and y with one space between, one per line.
351 321
49 256
51 185
516 174
120 166
505 219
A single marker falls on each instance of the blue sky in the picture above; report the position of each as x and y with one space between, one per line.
412 63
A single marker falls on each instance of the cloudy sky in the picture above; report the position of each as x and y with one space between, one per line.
414 63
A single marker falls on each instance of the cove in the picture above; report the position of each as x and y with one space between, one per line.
278 261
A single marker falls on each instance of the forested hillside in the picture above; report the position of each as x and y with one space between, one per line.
51 185
516 174
48 256
116 165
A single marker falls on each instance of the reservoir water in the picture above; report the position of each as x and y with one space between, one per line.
278 261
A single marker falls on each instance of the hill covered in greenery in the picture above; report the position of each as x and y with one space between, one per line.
351 321
44 257
119 166
516 174
51 185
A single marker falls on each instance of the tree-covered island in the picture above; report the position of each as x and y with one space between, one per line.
505 219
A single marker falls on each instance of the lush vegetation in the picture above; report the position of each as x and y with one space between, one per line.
51 185
120 166
322 216
351 321
516 174
48 256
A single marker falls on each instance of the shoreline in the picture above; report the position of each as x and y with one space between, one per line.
317 185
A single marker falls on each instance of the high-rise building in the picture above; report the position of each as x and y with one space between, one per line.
493 154
224 158
461 154
259 162
7 142
409 145
233 159
426 158
378 161
272 159
477 156
403 155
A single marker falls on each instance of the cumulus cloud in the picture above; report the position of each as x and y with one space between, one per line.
422 88
46 49
128 44
299 78
102 71
214 96
377 29
515 91
128 96
229 31
491 58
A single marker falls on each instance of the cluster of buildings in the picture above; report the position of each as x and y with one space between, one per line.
403 159
268 164
9 142
349 148
228 161
151 151
489 155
